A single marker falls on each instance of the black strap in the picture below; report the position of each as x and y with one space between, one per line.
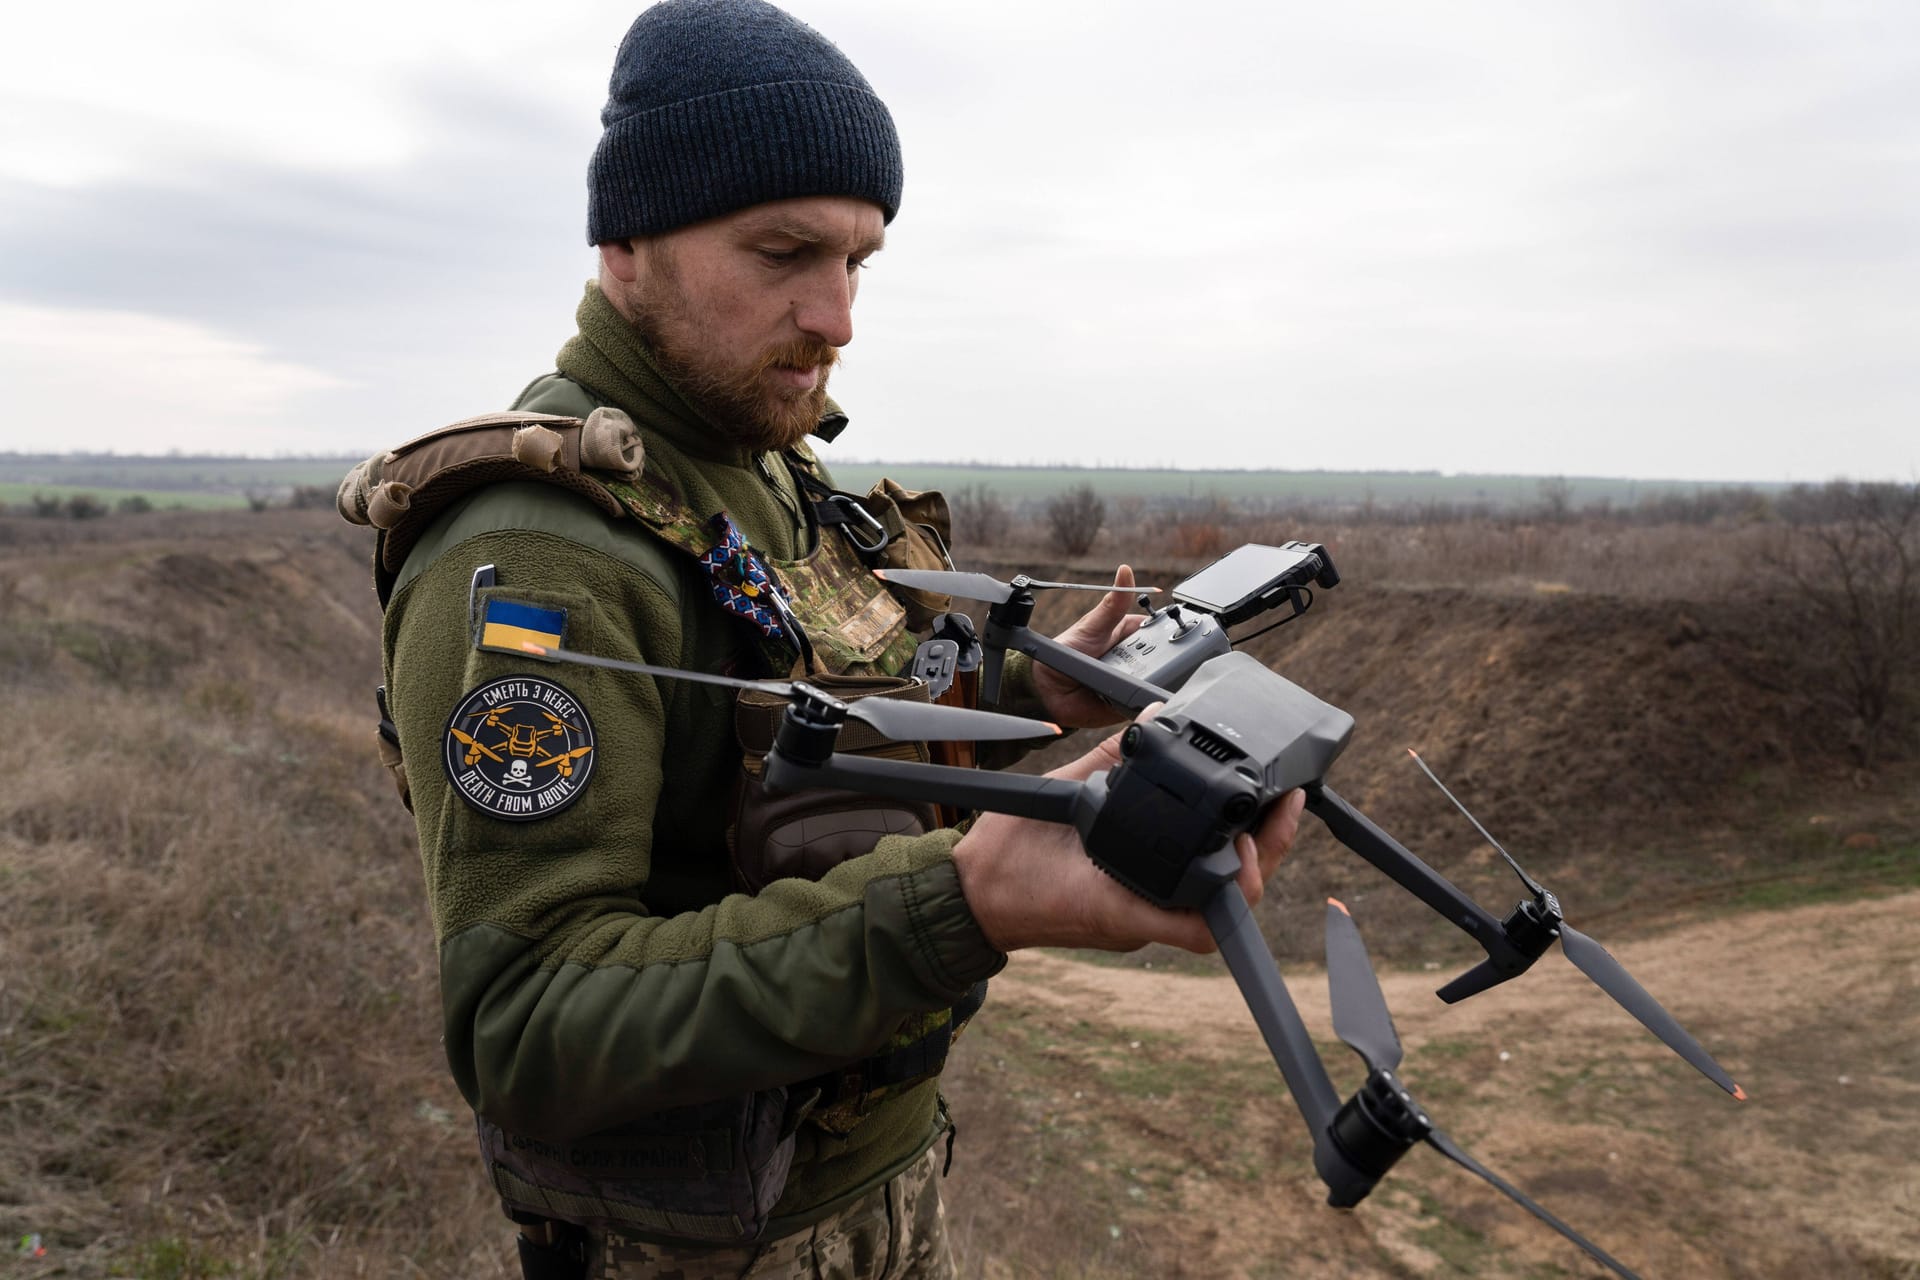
923 1057
387 728
840 509
564 1258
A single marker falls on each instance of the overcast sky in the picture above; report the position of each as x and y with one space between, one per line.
1656 239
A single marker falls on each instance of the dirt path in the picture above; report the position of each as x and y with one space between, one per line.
1815 1010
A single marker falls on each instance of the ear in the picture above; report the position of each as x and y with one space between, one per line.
617 260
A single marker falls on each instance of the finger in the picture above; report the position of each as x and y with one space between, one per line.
1279 830
1262 851
1251 876
1096 625
1104 756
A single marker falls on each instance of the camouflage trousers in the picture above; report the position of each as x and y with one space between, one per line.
895 1232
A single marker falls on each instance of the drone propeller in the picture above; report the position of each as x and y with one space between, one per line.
1383 1112
989 590
1590 958
901 721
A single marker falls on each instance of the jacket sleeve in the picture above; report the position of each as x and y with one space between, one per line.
570 1005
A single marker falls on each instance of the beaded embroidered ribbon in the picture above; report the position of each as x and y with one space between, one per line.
740 582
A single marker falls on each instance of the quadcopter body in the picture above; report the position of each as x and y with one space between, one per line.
1231 738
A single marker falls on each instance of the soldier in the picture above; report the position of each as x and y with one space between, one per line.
702 1028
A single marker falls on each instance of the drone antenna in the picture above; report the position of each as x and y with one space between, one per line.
1525 879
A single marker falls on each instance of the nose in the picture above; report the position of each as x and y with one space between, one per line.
825 309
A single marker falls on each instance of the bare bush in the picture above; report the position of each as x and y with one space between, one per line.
310 497
1849 562
1204 531
1556 499
46 506
84 506
1075 518
980 518
134 504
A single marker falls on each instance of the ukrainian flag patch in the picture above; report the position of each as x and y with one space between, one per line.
509 624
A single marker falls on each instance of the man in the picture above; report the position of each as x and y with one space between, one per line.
673 1076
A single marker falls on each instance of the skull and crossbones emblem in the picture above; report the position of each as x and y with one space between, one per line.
519 748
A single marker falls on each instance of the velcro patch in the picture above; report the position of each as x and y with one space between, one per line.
506 624
519 748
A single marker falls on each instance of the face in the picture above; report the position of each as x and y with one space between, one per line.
746 313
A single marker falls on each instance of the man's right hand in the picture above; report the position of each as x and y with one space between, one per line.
1031 884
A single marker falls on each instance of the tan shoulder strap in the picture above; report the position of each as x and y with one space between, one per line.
401 491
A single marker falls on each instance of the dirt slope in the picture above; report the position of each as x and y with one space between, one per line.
1635 754
189 717
1816 1010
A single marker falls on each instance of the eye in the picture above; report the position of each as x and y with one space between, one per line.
779 257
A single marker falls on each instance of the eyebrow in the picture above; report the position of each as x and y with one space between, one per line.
809 234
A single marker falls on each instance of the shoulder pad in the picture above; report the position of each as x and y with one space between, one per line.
400 492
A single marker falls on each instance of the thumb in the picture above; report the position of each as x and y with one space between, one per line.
1100 620
1115 602
1105 755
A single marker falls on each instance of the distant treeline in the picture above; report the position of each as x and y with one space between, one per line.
28 482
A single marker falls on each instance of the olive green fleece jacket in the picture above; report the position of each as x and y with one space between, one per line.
595 966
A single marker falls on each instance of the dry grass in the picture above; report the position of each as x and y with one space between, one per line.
218 1009
217 1021
1589 555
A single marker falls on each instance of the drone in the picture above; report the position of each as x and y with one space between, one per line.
1230 738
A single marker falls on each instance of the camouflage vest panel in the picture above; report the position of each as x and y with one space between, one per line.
856 627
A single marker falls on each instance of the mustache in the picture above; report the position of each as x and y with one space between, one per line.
801 353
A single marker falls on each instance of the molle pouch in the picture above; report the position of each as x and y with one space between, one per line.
710 1173
807 834
400 492
918 527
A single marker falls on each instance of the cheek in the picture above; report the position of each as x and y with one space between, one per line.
749 315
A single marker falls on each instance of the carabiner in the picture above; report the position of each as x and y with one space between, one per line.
853 514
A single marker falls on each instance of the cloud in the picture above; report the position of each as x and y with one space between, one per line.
1654 238
124 382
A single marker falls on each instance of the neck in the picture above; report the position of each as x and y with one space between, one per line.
610 355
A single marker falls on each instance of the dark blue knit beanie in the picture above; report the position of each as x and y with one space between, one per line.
716 105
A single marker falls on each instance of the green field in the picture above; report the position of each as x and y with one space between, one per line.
1380 488
168 474
211 482
22 495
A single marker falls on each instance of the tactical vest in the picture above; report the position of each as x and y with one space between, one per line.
711 1172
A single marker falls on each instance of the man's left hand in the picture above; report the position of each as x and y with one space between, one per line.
1102 627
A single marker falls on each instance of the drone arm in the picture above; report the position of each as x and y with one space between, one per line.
1245 951
1048 799
992 660
1359 833
1115 686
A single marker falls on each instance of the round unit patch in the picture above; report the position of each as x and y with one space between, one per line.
519 748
